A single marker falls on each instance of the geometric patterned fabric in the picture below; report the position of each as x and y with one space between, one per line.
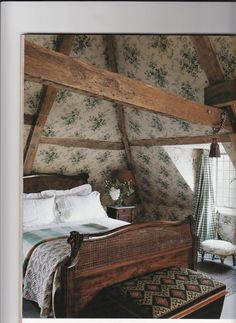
164 293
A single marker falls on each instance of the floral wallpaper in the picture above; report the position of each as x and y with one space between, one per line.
225 49
166 61
155 172
227 225
69 160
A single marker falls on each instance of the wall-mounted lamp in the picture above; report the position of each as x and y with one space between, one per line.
214 148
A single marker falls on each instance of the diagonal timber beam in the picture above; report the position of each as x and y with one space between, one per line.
63 72
48 96
110 48
221 92
207 58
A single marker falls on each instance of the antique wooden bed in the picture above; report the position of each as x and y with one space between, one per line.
101 260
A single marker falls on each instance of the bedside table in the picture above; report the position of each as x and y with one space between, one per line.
124 213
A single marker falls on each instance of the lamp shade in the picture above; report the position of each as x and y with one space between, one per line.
214 149
123 175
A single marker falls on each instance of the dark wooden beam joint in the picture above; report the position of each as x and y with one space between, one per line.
231 116
221 94
29 119
207 58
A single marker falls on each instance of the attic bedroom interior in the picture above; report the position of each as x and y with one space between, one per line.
129 206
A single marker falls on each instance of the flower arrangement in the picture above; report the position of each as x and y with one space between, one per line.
119 190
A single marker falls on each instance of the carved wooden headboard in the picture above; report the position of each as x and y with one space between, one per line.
41 182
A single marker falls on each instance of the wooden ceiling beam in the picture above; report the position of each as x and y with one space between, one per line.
221 92
179 140
118 145
63 72
82 143
207 58
49 94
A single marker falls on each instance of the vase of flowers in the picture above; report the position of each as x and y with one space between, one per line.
119 190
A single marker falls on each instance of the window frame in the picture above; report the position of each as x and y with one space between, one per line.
221 207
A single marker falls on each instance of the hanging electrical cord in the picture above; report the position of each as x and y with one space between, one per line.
222 121
215 149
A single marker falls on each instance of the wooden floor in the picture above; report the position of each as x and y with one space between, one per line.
214 269
225 273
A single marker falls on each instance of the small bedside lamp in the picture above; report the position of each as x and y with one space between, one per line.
125 175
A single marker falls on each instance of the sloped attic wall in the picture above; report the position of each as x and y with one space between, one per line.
225 49
169 62
76 116
166 61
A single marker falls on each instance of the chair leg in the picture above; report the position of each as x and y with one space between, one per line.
234 262
202 258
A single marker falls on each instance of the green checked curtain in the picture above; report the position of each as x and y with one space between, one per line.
204 213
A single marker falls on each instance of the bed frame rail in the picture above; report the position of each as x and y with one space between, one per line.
99 261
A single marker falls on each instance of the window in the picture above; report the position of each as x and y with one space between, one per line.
224 182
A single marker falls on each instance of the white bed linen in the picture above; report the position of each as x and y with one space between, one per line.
89 226
106 221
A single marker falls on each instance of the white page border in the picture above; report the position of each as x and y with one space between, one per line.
21 17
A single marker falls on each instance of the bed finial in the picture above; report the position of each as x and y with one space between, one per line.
75 240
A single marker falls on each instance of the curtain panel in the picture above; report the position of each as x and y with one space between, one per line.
204 213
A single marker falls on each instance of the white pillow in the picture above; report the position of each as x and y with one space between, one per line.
32 195
78 208
38 211
84 189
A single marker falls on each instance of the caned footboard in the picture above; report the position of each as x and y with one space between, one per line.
97 262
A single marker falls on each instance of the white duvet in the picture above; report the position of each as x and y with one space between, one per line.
84 226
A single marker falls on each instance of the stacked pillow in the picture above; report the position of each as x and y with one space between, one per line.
72 205
82 190
38 211
74 208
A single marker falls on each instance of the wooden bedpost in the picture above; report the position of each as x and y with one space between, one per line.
75 239
195 242
61 298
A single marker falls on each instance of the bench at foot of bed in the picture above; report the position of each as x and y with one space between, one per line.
169 293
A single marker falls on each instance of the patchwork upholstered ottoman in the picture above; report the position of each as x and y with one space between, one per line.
170 293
